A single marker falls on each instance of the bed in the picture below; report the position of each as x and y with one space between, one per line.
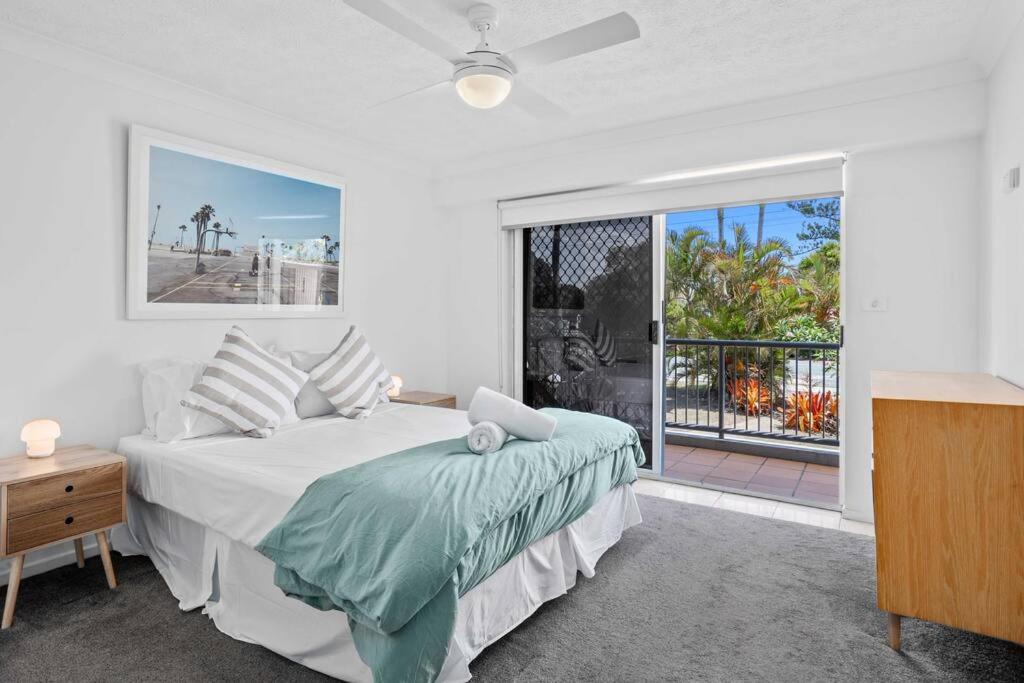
198 508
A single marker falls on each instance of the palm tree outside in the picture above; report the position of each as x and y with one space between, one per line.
760 223
780 286
738 288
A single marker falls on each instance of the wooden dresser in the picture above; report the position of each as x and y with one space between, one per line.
79 490
948 476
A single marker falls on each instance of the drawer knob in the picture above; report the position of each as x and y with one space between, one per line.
69 520
69 488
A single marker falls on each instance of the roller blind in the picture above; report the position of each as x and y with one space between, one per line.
698 190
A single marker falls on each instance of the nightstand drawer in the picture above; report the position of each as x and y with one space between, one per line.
63 489
31 531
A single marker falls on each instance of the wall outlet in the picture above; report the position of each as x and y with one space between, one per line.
875 304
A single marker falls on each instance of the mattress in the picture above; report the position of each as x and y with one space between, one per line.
242 487
198 508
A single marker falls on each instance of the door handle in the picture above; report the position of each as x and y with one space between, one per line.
653 329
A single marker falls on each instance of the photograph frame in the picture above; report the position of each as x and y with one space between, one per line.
140 143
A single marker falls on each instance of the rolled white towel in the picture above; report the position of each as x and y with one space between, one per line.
515 418
486 437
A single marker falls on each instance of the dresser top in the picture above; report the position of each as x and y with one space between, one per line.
943 387
67 459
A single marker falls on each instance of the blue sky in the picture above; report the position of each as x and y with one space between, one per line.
260 203
779 222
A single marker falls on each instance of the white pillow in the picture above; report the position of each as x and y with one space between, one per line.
164 383
310 402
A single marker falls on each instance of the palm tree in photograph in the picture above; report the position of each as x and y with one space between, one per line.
327 246
181 240
217 232
202 219
198 220
152 233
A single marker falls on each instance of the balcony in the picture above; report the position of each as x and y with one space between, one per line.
755 416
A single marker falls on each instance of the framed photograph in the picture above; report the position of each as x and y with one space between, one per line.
218 233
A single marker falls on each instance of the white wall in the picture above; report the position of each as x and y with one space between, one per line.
1004 209
68 351
911 236
474 344
911 211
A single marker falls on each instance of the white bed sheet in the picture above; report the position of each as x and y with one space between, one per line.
198 508
242 487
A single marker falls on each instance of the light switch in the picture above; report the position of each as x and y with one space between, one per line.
875 304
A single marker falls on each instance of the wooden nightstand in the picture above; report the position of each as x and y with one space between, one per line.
79 490
425 398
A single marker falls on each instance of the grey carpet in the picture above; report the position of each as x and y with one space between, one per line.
692 594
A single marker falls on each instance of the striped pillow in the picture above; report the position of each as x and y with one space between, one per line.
246 387
604 344
352 377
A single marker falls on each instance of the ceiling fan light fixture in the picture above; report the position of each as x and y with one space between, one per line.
483 86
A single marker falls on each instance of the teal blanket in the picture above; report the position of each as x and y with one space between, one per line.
395 541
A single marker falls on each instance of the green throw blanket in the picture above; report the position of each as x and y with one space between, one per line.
396 541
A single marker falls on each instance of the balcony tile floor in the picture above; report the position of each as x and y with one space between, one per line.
753 473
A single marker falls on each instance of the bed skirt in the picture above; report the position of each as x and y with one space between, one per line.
235 586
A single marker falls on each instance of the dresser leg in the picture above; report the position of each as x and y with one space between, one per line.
17 565
108 566
894 631
79 553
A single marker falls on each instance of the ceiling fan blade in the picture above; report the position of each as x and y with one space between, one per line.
397 22
418 91
618 28
535 104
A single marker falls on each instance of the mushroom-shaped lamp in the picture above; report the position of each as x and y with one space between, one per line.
40 437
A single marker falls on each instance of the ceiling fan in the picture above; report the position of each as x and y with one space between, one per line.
483 77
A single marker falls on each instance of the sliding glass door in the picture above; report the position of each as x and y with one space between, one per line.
591 338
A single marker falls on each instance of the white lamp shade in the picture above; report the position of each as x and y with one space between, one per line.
483 87
40 437
397 389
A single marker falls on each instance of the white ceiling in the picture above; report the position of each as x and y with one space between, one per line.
321 62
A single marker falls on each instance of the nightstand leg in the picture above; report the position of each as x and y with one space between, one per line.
17 565
79 553
108 566
894 631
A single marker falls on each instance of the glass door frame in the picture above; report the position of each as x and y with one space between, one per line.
512 281
658 366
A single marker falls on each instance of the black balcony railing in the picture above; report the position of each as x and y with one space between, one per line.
773 389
